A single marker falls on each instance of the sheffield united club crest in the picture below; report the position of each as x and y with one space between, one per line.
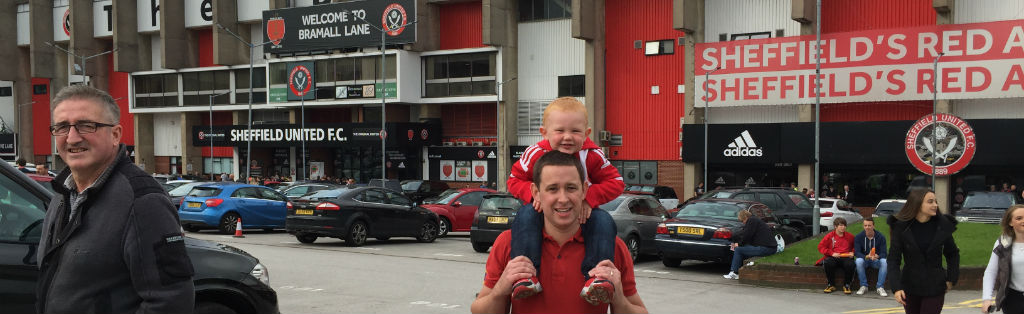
948 145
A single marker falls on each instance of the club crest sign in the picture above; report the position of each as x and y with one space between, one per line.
300 81
949 144
275 30
394 19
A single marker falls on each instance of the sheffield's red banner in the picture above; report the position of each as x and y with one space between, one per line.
981 60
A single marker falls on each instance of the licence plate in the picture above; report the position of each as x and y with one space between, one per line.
194 205
303 211
497 220
690 230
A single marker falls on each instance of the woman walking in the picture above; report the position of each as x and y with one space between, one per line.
920 238
1005 272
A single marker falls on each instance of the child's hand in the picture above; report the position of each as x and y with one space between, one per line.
585 214
536 206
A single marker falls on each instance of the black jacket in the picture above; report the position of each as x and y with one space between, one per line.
757 233
922 274
121 252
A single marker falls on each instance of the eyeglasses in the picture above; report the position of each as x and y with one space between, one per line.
62 129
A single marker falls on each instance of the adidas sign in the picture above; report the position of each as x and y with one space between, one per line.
743 146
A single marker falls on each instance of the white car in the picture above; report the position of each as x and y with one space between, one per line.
834 207
888 207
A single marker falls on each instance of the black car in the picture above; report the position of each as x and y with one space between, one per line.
418 190
704 229
357 213
985 207
494 216
227 279
785 203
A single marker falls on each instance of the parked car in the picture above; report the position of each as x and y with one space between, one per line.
301 189
178 194
227 279
636 221
985 207
888 207
830 208
418 190
176 183
666 195
496 213
785 203
358 213
704 229
220 205
43 180
456 208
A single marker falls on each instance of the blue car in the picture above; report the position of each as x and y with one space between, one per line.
220 205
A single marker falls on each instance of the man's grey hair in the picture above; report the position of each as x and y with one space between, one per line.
91 93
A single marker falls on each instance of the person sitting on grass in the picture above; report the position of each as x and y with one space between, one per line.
837 248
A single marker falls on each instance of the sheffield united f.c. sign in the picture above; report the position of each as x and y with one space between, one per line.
948 144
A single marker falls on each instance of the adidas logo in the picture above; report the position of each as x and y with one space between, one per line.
743 146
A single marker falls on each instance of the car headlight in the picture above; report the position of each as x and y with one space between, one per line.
261 273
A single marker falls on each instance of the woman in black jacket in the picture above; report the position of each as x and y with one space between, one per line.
920 238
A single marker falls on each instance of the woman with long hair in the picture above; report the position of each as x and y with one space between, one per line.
921 236
1005 272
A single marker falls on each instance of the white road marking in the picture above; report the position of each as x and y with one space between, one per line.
447 254
368 248
310 289
651 271
432 304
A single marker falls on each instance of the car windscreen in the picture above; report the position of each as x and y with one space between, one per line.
720 194
411 186
888 208
800 200
826 204
445 197
613 204
332 193
500 204
183 189
989 200
204 191
709 210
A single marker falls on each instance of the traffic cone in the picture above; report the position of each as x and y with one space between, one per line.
238 229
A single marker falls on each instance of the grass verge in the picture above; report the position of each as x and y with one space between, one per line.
975 241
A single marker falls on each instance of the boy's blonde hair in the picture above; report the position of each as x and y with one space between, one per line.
565 104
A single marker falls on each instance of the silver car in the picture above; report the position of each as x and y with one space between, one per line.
636 221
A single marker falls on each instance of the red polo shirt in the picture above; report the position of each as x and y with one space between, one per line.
560 275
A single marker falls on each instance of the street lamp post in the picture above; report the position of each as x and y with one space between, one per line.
383 83
707 115
210 135
248 149
497 114
816 211
935 100
84 59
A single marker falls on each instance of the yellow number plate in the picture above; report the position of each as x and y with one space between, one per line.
690 230
497 220
194 205
303 211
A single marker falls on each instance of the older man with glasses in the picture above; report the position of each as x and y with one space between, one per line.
111 229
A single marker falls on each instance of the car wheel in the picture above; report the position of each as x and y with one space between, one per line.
671 262
207 307
383 238
228 223
190 228
305 238
356 235
633 244
428 232
481 247
443 227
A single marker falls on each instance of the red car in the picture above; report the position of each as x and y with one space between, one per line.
456 208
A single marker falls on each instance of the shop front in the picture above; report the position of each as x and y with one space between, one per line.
332 151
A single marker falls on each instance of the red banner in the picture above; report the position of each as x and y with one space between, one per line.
981 60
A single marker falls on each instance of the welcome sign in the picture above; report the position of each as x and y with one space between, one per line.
981 60
339 25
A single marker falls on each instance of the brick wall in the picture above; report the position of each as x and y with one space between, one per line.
813 277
